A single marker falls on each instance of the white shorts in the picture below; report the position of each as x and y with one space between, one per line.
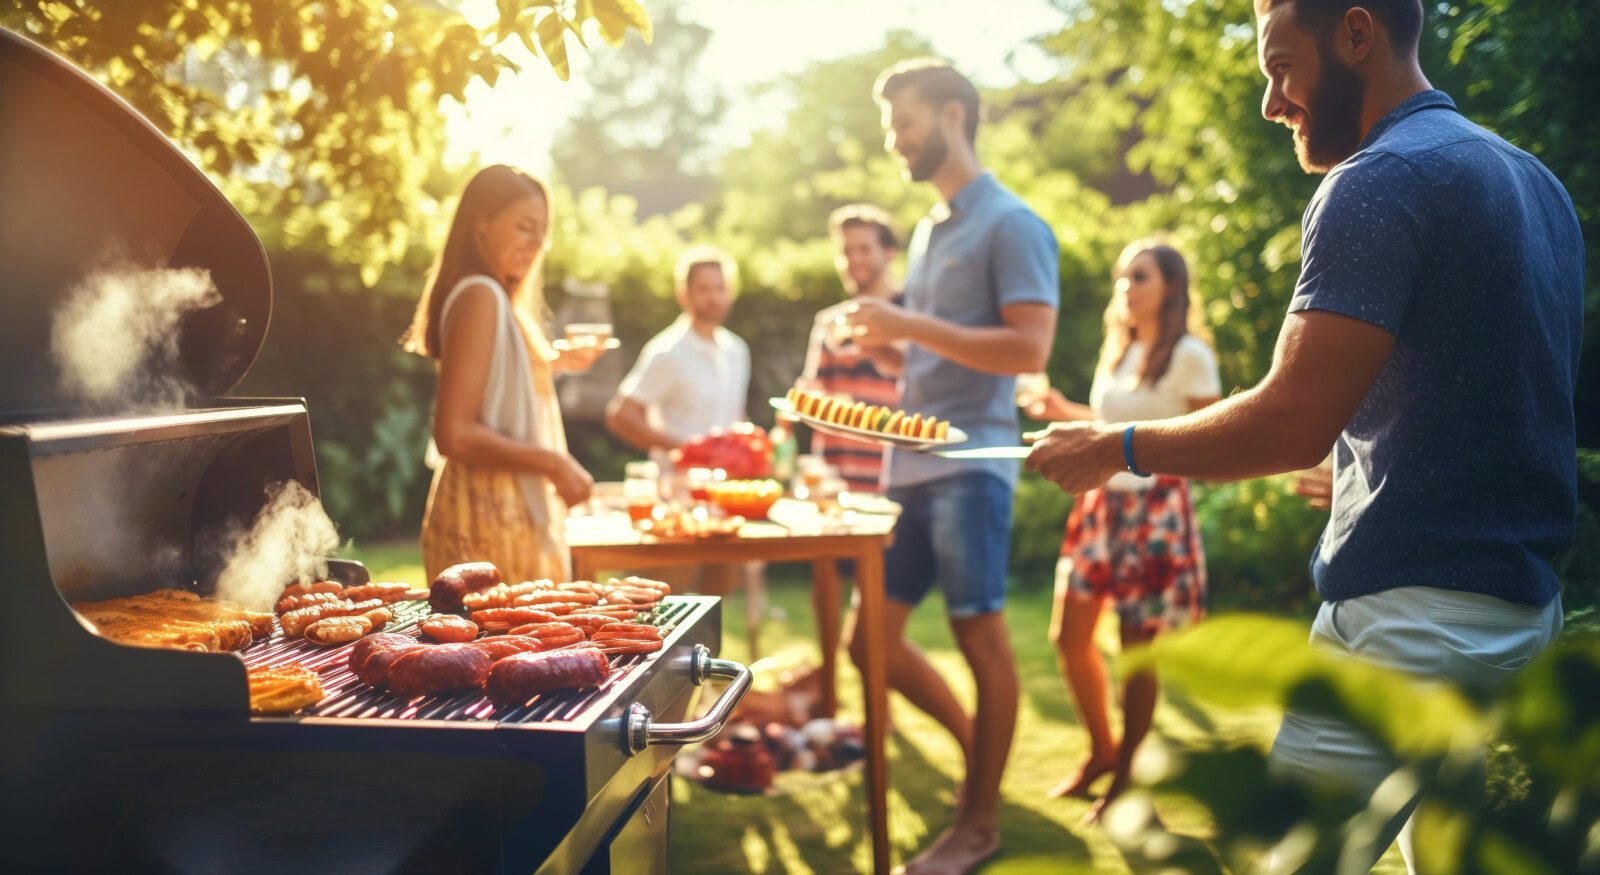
1475 642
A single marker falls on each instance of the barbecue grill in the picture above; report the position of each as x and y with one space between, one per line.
148 759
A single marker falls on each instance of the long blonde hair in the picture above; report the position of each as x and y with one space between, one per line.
491 190
1174 318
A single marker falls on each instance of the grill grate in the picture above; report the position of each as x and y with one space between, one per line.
347 697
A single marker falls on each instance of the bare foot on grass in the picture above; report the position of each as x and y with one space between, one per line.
957 851
1077 784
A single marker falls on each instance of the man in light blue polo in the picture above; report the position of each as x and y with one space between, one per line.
980 307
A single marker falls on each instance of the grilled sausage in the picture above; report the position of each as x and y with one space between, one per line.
449 627
555 596
296 602
307 587
371 656
338 630
501 646
380 617
588 586
388 593
295 622
516 679
589 623
501 619
436 670
551 635
458 580
635 631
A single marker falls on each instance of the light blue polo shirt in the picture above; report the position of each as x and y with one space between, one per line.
984 250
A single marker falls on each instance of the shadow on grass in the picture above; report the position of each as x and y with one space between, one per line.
818 823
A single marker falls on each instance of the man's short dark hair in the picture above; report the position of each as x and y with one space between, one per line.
937 83
864 216
1401 18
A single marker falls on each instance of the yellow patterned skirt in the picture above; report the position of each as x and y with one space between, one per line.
478 514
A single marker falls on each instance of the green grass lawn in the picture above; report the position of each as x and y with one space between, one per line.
816 823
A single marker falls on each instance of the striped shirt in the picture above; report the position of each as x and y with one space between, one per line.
860 463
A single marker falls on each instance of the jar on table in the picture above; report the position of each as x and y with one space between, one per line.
641 487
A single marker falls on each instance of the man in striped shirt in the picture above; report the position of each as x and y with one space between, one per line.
865 246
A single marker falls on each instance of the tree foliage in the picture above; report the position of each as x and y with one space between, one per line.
646 125
323 114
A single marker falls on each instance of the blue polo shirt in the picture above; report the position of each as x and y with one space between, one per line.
1458 469
983 250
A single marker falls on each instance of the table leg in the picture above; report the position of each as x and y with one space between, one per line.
875 683
825 607
580 568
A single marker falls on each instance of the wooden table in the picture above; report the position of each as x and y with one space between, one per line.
796 534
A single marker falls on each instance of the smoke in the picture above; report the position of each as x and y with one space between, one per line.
288 542
115 339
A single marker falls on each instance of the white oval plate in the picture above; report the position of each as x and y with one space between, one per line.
782 405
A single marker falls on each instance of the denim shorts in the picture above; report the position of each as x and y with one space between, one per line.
954 532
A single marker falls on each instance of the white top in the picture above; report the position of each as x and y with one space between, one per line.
1118 397
688 384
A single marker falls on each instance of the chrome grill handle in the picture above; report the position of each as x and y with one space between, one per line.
641 732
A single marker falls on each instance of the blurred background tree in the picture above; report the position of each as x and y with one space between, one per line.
645 126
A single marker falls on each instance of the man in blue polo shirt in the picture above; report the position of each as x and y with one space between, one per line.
1432 342
980 307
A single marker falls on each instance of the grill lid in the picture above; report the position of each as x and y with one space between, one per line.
89 185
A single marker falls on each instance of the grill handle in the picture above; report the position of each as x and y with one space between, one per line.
641 733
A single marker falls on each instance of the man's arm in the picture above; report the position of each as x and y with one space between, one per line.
628 419
1322 368
1019 345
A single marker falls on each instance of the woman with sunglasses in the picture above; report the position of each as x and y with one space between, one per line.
1134 543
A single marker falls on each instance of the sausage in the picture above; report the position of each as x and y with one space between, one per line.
307 587
554 596
456 581
388 593
371 656
620 646
497 596
436 670
588 586
501 619
589 622
295 622
516 679
625 613
551 635
640 583
631 631
338 630
380 617
449 627
296 602
501 646
619 638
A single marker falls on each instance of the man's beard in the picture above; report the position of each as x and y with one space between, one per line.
934 150
870 282
1331 131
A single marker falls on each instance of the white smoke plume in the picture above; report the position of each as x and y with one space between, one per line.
115 339
289 541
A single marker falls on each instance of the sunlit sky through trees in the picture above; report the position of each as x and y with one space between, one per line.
752 42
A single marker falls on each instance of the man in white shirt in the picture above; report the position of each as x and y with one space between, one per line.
689 379
695 375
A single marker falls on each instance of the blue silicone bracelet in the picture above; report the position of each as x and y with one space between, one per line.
1127 452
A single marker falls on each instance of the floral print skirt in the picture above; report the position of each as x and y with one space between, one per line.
1142 551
